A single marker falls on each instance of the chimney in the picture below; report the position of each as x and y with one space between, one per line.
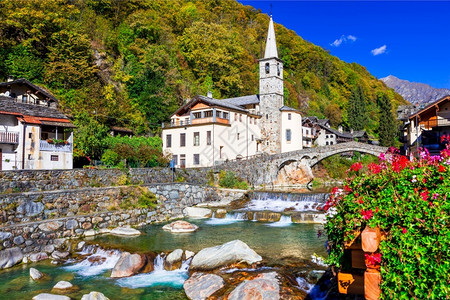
209 94
10 78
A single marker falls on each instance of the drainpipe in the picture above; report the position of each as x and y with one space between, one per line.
23 146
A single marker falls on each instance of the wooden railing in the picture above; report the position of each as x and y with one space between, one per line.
9 137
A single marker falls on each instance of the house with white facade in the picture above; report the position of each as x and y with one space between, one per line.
34 134
206 131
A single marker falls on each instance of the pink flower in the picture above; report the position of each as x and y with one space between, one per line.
435 196
382 157
404 230
356 167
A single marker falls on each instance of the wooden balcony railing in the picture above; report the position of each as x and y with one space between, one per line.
9 137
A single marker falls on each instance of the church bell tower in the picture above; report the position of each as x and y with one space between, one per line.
271 97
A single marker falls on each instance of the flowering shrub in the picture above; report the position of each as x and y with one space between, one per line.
408 201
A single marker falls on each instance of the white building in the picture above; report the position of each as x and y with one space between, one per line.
33 133
207 131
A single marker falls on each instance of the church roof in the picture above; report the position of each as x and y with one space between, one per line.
271 43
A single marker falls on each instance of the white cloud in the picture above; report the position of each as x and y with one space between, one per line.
343 39
379 50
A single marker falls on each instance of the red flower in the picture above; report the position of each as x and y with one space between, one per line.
374 168
424 195
404 230
367 214
347 188
441 168
356 167
373 259
376 210
361 201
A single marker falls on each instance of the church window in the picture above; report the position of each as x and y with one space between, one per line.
278 69
267 68
196 138
289 116
288 135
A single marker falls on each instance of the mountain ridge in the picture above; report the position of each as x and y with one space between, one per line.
415 92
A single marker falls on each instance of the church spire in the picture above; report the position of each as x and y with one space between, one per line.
271 43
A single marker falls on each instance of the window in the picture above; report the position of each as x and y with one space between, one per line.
278 69
326 136
24 98
267 116
168 140
197 115
235 116
209 114
30 135
288 135
253 137
289 116
54 157
220 151
225 115
183 160
326 143
238 136
267 68
31 157
331 143
175 159
196 138
182 139
208 137
196 159
240 118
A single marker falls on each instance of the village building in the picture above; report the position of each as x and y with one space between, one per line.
206 131
34 134
426 127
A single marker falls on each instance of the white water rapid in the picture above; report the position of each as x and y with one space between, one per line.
98 262
283 222
230 218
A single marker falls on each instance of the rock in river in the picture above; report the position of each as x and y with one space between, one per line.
127 231
10 257
173 260
63 285
94 296
35 274
202 285
264 287
46 296
128 264
180 227
197 212
232 252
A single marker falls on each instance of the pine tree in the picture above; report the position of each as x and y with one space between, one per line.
387 129
356 112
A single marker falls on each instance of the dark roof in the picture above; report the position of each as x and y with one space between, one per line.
121 129
35 87
287 108
9 105
346 134
223 103
315 119
443 99
244 100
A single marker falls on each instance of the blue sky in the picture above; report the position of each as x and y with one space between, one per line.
410 40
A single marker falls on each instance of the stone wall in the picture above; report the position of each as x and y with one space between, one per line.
41 221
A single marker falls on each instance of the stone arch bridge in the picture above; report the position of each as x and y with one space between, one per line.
267 169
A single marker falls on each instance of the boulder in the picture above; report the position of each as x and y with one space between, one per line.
4 235
173 260
180 227
60 255
36 274
30 208
202 285
10 257
126 231
46 296
264 287
188 254
63 285
197 212
267 216
229 253
94 296
128 264
220 213
35 257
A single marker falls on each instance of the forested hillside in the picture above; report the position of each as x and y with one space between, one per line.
132 63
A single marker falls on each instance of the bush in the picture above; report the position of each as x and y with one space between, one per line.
408 201
228 179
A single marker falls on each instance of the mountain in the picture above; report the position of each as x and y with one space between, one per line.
133 63
415 92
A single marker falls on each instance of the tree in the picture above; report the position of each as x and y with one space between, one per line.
387 129
356 112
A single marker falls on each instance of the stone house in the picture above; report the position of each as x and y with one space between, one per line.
34 134
206 131
426 126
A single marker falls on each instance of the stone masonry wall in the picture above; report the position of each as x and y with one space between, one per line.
41 221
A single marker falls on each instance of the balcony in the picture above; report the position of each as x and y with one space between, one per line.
46 146
197 121
9 137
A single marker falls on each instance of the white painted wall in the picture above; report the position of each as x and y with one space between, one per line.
295 125
325 138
